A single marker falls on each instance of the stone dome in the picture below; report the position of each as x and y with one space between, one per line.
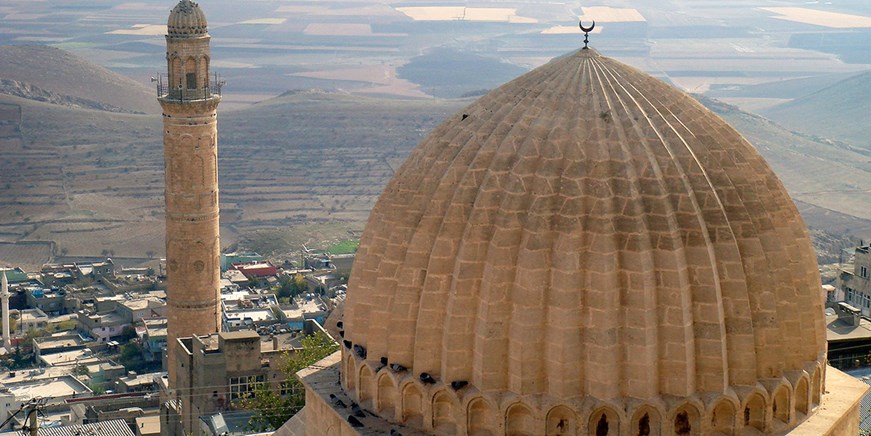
585 242
186 20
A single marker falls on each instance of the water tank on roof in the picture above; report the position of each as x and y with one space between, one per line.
38 293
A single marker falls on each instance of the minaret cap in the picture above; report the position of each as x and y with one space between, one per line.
186 20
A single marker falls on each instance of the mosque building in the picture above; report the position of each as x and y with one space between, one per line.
584 250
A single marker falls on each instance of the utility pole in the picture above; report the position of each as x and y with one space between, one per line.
33 418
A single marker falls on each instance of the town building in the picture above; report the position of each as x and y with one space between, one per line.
217 370
189 98
855 283
584 250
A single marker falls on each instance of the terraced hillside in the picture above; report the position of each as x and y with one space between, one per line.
302 168
840 111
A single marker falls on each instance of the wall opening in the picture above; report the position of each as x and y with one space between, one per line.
443 420
723 418
386 396
364 391
687 421
646 422
817 386
561 422
481 418
412 406
603 427
604 422
754 412
780 405
519 421
801 396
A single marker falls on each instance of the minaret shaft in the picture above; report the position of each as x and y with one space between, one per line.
190 144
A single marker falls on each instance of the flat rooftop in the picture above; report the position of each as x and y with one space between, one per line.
838 330
51 388
73 357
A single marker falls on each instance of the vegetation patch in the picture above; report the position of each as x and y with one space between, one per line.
345 247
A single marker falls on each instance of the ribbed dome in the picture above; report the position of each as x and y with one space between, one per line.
587 232
186 20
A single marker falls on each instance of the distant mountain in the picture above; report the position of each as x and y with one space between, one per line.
302 168
67 77
841 111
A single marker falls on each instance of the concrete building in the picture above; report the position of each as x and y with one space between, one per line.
29 319
855 284
217 370
584 250
58 343
189 98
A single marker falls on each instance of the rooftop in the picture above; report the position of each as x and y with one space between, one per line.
63 386
838 330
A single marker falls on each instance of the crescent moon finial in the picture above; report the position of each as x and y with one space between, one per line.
586 31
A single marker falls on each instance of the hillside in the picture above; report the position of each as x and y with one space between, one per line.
302 168
830 181
305 167
840 111
58 72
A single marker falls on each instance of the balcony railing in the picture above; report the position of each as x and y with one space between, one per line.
165 91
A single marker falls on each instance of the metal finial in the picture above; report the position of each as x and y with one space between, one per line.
586 31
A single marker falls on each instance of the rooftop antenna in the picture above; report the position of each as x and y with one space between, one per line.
586 31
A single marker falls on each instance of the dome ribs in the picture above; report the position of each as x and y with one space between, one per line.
537 174
641 341
564 326
447 225
586 234
392 215
707 364
777 234
502 195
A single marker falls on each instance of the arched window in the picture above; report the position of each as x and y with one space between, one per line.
519 421
386 396
754 412
817 386
561 422
687 421
646 422
801 396
412 406
780 405
365 386
723 418
190 73
443 420
604 422
349 373
481 418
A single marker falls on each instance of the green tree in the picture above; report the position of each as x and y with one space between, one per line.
291 286
131 356
274 409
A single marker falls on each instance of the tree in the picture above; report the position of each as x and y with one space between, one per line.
131 356
291 286
272 409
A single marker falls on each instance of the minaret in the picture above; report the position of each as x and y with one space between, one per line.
4 297
190 146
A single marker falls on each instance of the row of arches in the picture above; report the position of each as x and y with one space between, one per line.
436 408
189 73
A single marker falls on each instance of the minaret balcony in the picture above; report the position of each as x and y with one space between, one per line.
165 92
